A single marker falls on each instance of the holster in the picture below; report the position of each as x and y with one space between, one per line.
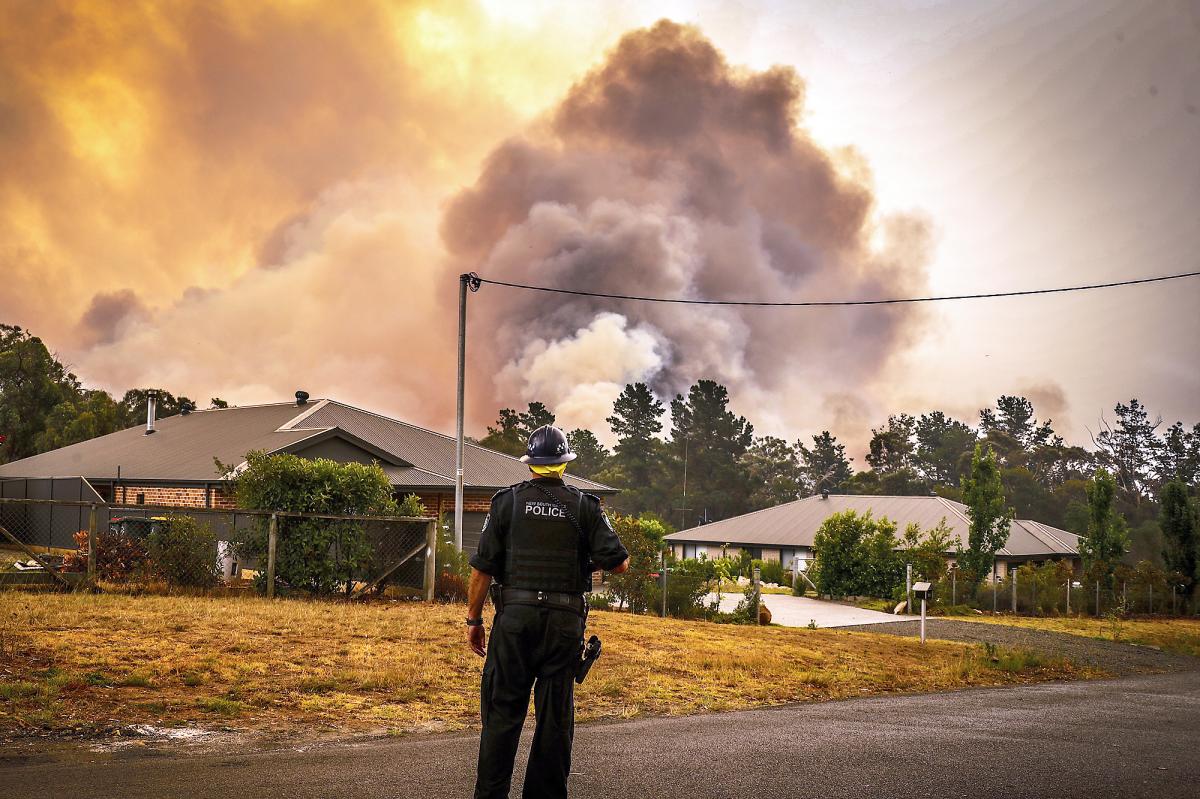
589 655
496 592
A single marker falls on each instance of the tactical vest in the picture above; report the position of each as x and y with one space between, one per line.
543 552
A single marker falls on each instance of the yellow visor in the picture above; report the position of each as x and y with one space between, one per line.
554 470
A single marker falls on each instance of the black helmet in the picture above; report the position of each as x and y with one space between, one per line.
547 446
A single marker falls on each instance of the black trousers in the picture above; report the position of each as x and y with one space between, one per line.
530 648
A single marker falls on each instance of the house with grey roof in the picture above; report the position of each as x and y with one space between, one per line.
785 532
171 461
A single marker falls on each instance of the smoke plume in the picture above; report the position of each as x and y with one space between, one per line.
668 172
241 200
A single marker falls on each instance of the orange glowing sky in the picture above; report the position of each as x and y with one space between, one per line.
241 199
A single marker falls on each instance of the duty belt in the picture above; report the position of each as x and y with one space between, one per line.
558 600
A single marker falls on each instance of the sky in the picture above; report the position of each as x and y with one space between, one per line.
241 200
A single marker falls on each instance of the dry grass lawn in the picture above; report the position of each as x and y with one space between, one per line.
1181 636
84 662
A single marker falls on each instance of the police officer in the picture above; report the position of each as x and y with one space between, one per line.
541 542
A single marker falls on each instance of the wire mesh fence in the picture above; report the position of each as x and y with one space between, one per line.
1053 590
684 589
64 543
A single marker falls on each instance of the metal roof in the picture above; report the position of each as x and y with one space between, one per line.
183 448
795 524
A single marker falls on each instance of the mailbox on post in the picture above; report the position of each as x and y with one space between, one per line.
924 591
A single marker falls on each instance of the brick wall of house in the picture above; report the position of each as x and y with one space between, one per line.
185 496
443 502
191 496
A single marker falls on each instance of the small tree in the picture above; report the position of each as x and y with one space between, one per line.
643 537
990 518
855 555
1181 536
927 551
1107 537
316 555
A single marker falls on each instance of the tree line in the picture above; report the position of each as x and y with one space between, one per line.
43 406
691 460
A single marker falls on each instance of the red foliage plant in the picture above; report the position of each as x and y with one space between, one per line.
450 588
118 557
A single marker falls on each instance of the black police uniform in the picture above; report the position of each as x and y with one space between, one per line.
529 545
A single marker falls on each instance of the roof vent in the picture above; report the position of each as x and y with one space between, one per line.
151 410
301 397
186 407
825 493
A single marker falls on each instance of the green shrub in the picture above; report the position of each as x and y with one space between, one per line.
449 558
599 601
315 555
744 613
856 556
771 571
688 583
184 552
642 536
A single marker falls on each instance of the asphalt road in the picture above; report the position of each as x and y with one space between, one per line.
1130 737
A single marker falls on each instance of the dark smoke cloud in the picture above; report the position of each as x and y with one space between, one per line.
101 323
667 172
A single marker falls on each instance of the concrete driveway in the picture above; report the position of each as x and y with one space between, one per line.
798 611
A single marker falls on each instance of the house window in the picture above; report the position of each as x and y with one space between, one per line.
141 498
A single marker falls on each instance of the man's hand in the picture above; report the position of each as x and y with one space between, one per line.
477 640
621 569
476 593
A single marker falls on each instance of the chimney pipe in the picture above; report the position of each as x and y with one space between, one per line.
151 407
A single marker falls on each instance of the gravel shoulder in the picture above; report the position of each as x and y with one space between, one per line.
1117 658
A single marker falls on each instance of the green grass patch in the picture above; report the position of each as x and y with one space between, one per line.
221 706
135 680
13 691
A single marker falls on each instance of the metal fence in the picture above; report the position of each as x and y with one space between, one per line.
684 589
67 542
1047 592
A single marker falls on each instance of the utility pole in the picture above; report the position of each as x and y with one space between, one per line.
465 281
684 509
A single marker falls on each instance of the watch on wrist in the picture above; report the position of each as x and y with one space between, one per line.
477 622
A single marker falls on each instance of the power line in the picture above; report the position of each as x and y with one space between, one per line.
476 280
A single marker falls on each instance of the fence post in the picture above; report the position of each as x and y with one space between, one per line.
272 536
91 564
954 586
430 559
665 577
1013 572
1068 596
757 577
1097 599
908 603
